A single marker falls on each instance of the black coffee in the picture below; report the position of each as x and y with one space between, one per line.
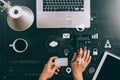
20 45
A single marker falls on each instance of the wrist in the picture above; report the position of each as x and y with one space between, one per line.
42 77
77 73
78 76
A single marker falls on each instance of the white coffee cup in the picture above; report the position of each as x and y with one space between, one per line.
19 45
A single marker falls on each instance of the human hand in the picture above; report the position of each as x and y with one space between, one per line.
49 69
80 61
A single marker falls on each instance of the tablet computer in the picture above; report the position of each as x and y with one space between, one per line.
108 68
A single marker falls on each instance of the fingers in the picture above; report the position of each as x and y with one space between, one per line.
89 60
80 53
56 73
87 56
84 54
74 57
56 69
51 60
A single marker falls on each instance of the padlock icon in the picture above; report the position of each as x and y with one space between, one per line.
95 51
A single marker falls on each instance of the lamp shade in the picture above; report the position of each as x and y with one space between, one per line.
20 18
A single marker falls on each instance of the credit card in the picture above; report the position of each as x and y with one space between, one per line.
61 62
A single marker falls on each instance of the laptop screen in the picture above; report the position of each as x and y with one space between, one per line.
110 69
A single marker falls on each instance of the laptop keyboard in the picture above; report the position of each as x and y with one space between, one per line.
63 5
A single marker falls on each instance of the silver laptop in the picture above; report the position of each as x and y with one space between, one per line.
63 13
108 68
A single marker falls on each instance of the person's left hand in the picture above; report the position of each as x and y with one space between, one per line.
49 69
81 61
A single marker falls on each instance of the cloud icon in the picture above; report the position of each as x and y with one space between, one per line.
53 44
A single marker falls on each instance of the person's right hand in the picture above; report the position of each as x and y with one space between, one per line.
80 61
49 69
